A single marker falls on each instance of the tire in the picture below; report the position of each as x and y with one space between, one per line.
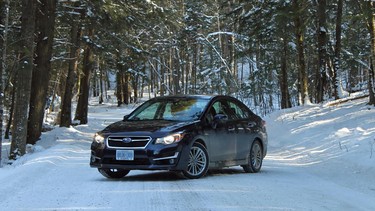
255 158
113 173
198 162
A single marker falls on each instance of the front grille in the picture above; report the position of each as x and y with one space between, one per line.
128 142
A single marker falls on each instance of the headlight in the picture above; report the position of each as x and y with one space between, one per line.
99 139
174 138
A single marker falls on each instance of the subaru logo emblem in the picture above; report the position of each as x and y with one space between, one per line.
126 140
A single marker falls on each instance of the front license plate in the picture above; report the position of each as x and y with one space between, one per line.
124 154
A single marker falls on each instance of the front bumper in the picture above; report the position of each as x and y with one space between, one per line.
153 157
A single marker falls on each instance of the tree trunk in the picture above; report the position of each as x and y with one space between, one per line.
162 84
4 20
66 108
95 85
100 83
176 70
136 82
193 81
125 87
321 74
285 100
45 24
337 58
11 109
371 85
23 79
371 24
304 99
135 88
152 78
119 86
84 85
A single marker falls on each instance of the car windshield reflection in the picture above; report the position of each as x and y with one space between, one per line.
181 109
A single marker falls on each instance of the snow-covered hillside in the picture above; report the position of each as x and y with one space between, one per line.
320 157
336 143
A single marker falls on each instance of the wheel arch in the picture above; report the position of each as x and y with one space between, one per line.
182 164
264 150
199 140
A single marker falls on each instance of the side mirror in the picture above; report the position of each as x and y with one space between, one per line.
220 117
125 118
219 120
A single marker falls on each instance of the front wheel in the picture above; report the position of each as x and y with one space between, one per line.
198 162
113 173
255 158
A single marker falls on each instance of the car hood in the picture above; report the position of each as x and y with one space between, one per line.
145 126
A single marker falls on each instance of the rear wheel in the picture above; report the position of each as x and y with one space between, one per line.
113 173
255 158
198 162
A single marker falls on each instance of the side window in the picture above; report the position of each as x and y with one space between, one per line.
217 108
211 113
239 112
222 108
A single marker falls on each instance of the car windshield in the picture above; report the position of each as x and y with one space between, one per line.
173 109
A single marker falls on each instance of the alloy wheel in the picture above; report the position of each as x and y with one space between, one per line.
198 162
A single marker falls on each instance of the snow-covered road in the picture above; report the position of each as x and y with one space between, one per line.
320 158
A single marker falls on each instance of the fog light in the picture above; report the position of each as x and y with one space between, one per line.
93 159
171 161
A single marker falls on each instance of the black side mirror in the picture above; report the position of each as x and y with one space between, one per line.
125 118
219 120
220 117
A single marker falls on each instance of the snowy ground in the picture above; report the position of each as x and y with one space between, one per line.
320 158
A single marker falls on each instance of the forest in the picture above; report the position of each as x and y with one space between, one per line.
270 54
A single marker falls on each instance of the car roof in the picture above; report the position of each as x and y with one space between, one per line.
208 97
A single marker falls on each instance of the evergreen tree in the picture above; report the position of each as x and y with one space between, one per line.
4 20
322 70
337 56
75 35
299 10
45 25
24 77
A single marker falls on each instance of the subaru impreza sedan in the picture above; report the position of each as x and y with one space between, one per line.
186 134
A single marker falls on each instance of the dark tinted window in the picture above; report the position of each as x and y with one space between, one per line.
239 111
221 107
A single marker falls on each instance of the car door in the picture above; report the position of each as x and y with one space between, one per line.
244 127
222 142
